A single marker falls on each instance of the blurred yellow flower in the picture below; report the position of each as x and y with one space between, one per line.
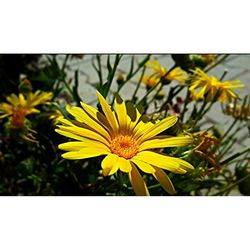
209 87
126 138
18 107
56 116
150 81
160 71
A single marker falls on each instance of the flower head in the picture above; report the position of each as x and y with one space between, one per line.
160 72
18 107
126 138
150 80
211 89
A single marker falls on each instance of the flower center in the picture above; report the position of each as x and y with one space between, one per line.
18 117
124 146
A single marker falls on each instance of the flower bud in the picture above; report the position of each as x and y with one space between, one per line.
25 86
120 79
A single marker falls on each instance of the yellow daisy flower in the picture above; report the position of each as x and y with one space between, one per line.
209 87
18 107
176 74
39 97
127 141
150 81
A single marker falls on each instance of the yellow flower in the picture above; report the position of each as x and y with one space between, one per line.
176 74
150 81
127 141
18 107
56 116
210 87
37 98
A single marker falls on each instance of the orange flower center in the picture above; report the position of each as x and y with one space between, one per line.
124 146
18 117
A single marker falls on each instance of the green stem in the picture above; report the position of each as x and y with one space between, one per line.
218 62
154 87
120 180
185 106
172 94
240 160
157 92
229 129
62 70
99 66
229 142
68 88
224 74
111 74
232 185
139 83
99 69
65 62
131 74
234 156
200 113
154 186
227 147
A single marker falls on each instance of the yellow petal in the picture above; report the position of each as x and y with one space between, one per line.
145 167
137 182
3 116
124 165
84 153
33 111
109 165
76 145
108 113
84 133
141 127
121 112
172 164
22 100
81 116
13 99
6 108
158 128
70 135
96 115
164 180
166 142
183 164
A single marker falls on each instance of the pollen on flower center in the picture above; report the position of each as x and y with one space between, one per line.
18 117
124 146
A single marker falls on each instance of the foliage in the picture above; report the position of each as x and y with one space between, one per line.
31 161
